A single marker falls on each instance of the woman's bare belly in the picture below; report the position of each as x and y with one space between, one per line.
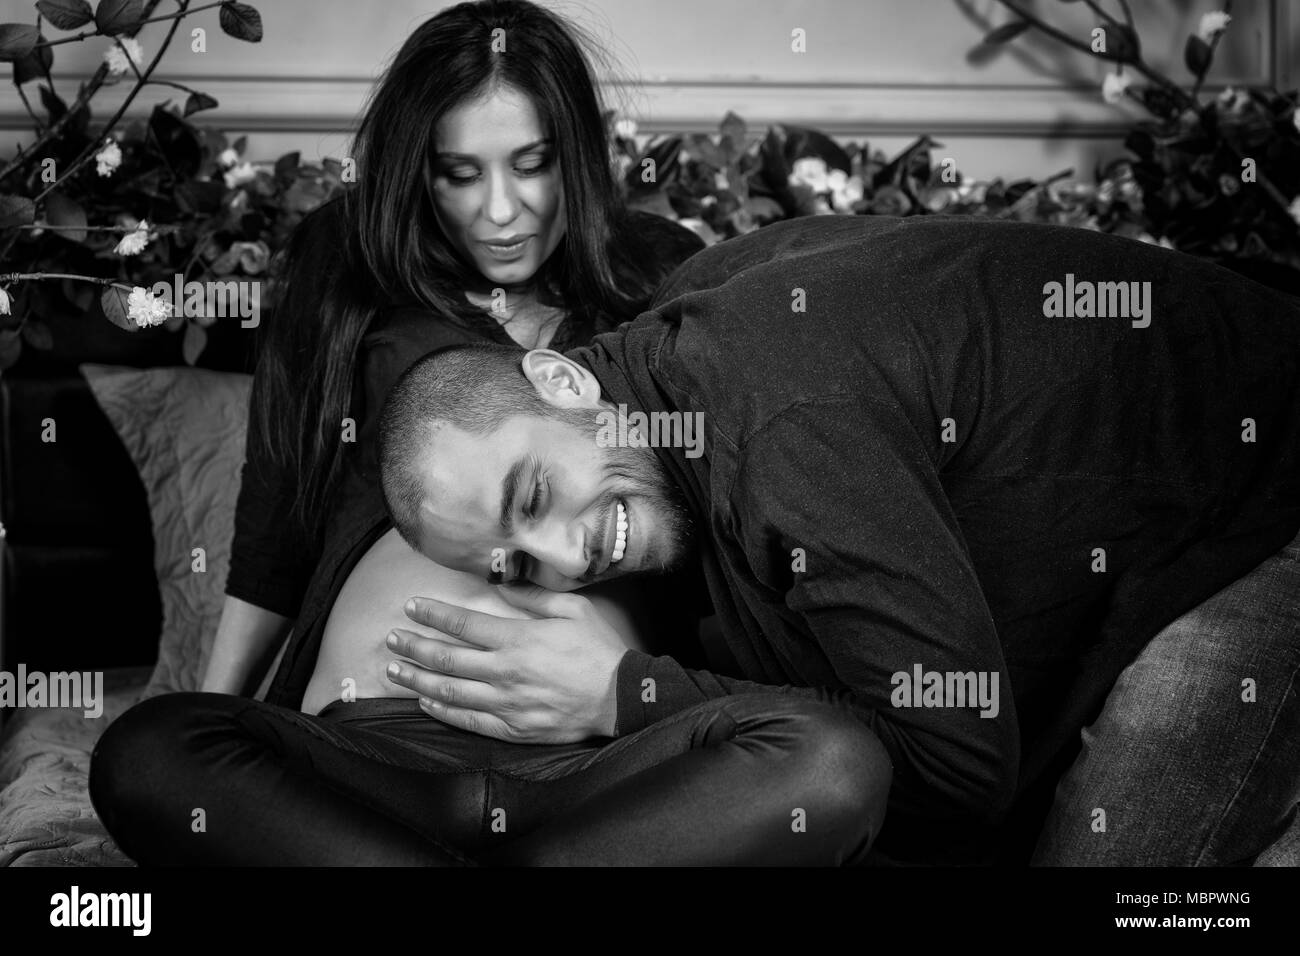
354 657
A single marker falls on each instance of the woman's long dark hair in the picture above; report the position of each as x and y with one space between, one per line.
392 249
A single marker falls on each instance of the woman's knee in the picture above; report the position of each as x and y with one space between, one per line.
833 771
847 768
145 756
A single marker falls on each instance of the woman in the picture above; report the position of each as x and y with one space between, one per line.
503 225
485 210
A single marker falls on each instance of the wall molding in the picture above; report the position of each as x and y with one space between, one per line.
1045 110
842 109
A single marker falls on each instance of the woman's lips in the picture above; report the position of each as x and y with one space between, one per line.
506 251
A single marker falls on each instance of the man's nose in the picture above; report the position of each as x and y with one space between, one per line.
502 205
561 548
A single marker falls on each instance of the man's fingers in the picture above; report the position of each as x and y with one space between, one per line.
473 627
456 691
441 656
544 602
476 722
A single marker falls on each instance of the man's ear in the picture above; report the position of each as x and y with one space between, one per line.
560 381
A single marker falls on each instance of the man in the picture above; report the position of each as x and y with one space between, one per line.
981 484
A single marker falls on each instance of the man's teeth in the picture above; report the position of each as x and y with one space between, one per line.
620 533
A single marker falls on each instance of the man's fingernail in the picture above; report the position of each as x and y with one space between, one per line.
394 669
392 639
410 606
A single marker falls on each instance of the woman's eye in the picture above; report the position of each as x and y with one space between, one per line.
461 175
533 167
535 503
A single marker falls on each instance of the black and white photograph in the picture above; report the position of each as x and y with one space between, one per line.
647 433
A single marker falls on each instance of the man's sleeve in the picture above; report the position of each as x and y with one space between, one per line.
843 513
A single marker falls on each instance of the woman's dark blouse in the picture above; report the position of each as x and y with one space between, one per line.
272 568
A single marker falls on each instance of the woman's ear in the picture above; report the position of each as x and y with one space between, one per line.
560 381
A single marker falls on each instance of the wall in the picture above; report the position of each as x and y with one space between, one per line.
882 70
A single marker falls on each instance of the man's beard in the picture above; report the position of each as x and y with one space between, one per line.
637 472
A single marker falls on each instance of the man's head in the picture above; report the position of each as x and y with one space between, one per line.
491 465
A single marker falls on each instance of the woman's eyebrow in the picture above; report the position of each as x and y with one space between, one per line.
526 148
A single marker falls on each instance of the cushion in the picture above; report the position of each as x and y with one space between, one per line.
184 430
45 814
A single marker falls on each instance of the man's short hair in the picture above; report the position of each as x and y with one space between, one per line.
475 387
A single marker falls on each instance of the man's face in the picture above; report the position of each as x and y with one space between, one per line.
539 500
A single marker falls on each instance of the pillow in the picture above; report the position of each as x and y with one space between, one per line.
184 430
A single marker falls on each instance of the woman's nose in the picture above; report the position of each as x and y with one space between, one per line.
502 205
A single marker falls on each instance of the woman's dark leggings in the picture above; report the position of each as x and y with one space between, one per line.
754 779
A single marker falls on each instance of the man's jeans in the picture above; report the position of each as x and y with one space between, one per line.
1195 759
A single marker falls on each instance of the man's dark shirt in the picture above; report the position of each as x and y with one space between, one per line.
845 540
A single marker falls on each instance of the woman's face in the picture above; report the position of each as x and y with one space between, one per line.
497 190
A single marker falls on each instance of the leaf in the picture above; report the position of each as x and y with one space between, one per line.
287 163
178 142
53 104
192 345
241 21
62 211
16 211
1005 33
801 142
199 101
34 65
11 347
1122 44
38 335
113 302
80 294
706 151
1197 55
17 40
118 16
66 14
734 132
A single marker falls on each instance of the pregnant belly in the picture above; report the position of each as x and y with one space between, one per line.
353 655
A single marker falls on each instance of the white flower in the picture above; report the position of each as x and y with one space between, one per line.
625 128
228 158
1233 101
845 190
1294 209
238 175
133 243
1114 87
146 308
1212 24
108 158
720 182
117 60
811 171
1295 118
4 302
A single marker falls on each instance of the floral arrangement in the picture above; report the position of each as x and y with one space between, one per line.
1217 177
119 206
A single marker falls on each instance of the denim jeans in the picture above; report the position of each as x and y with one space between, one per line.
212 779
1195 757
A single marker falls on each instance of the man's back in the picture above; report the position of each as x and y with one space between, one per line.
1103 453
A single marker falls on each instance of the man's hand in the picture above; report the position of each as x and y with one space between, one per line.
545 681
